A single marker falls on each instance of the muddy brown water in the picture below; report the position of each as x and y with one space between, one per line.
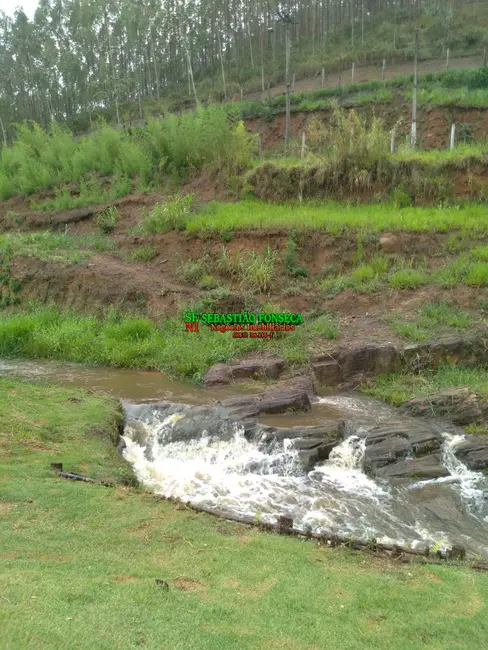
147 386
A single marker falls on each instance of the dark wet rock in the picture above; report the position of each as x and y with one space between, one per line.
473 453
267 367
391 442
217 375
278 400
354 382
259 368
459 405
327 372
184 422
371 358
313 443
427 467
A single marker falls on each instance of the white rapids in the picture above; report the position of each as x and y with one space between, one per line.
234 476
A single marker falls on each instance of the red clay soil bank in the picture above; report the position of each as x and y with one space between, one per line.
433 125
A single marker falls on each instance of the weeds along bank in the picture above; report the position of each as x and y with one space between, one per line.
154 261
111 163
128 159
426 280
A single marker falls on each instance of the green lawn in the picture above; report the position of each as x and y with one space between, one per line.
79 562
335 217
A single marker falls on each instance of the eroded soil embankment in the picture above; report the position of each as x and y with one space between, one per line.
161 287
434 123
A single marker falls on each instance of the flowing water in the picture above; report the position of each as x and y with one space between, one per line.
238 477
241 477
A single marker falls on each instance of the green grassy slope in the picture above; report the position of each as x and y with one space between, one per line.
79 563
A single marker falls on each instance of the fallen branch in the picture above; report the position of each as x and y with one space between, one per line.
284 526
76 477
58 468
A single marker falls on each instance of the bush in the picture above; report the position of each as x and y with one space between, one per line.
39 158
107 220
350 139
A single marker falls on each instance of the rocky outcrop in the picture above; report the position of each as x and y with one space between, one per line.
369 359
458 405
313 443
390 442
347 367
473 453
252 368
218 375
272 401
427 467
327 371
395 448
268 368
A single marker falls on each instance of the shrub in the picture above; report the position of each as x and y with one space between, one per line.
290 263
349 139
401 198
107 220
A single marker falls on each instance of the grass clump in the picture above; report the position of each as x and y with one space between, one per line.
337 218
55 247
325 326
477 275
144 253
444 314
193 270
432 320
407 278
398 388
257 272
173 214
107 220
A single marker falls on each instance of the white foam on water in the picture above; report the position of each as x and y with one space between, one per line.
470 483
235 476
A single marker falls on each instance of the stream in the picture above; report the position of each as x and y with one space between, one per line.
237 476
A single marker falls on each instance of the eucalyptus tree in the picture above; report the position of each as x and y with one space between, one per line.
76 57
